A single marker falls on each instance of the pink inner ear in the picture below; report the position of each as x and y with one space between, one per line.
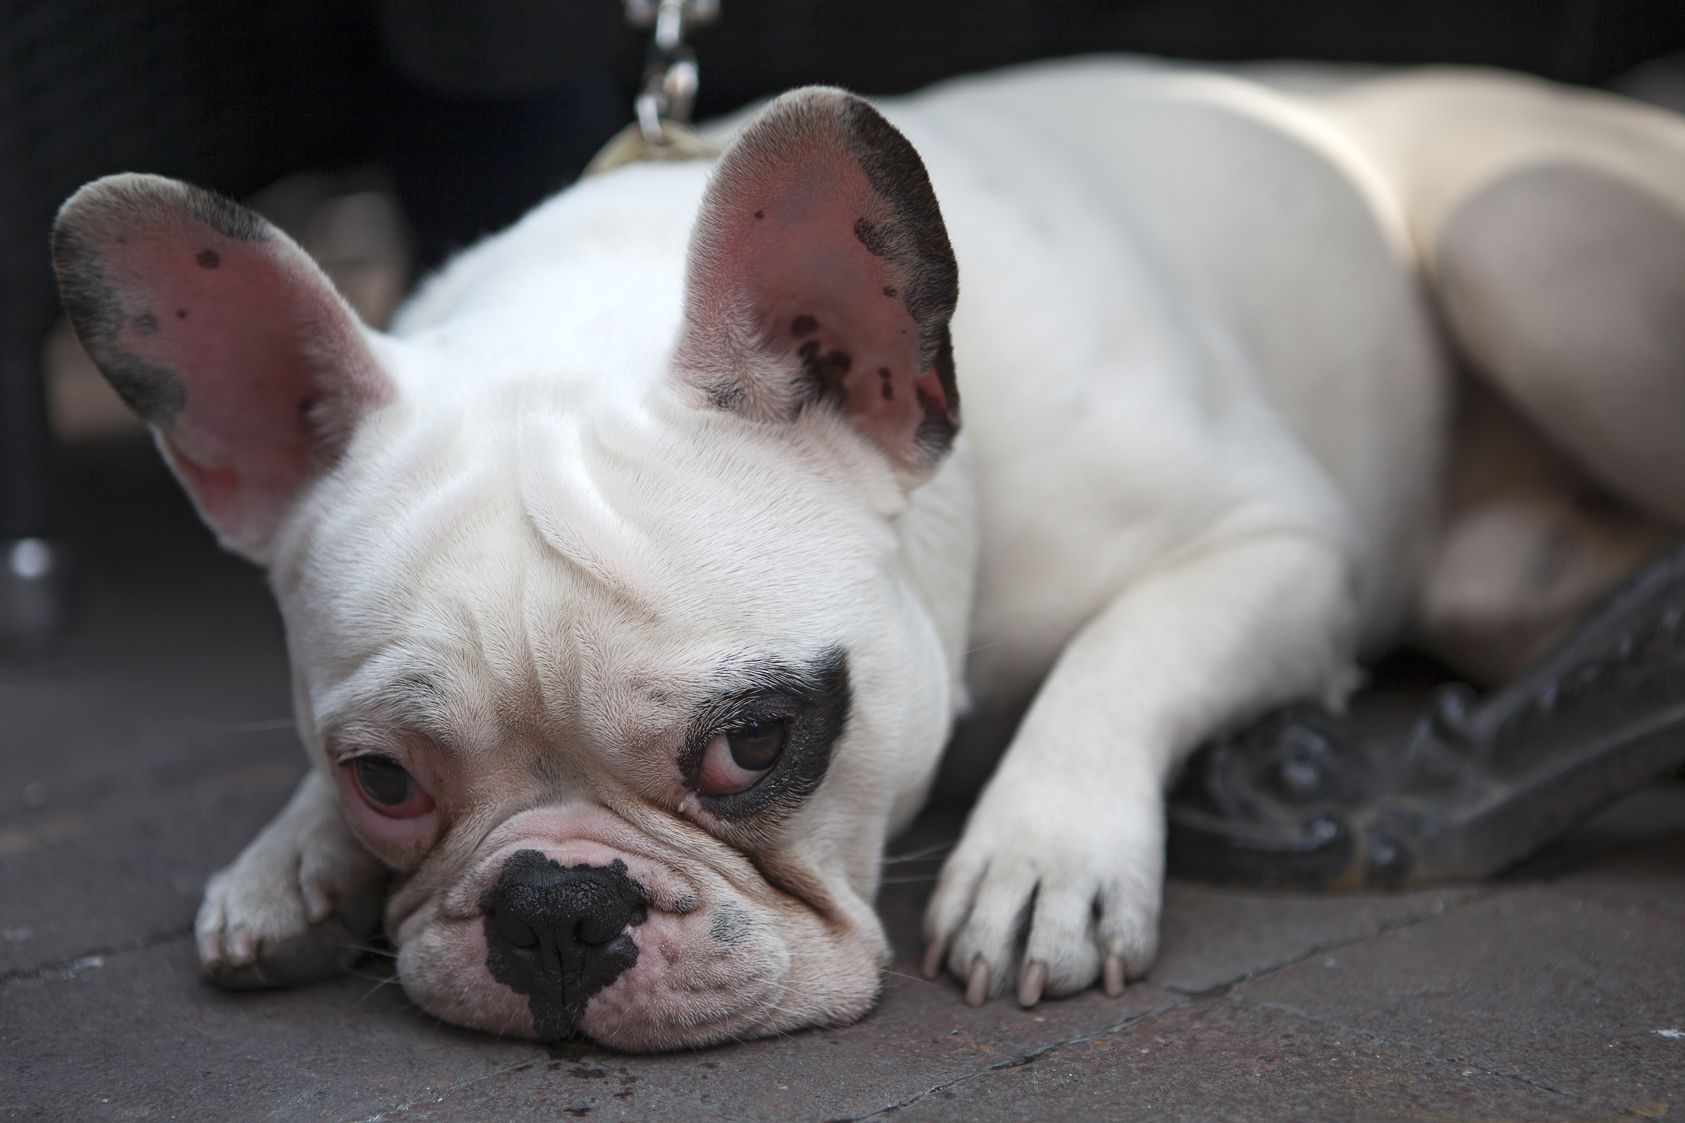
792 238
254 339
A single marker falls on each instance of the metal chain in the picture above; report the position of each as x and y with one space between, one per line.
670 74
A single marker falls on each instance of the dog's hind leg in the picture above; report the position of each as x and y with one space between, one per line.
1549 225
1564 285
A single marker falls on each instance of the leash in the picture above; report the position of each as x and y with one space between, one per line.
662 130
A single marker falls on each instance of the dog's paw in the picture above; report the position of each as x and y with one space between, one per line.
1050 893
299 904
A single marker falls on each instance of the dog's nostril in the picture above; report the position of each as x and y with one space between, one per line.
516 931
600 929
558 934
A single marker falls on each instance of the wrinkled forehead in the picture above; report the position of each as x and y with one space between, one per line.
587 559
714 523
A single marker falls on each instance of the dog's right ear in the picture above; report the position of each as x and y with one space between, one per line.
222 334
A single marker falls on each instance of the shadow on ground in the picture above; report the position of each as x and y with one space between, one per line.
148 751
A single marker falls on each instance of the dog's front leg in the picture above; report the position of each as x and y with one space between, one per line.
299 902
1059 873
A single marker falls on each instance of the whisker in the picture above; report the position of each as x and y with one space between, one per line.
921 855
371 991
369 949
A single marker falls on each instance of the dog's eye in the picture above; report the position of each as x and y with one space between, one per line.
739 756
389 789
755 744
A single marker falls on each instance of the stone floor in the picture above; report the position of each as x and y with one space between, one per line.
146 753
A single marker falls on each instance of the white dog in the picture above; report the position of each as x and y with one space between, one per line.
633 582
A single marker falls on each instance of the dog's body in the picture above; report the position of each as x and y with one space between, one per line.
650 544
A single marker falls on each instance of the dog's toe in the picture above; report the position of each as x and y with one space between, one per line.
1051 906
297 905
254 935
322 951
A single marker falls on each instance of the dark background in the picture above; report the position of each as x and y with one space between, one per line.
478 108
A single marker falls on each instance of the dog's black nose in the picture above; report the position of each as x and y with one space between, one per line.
558 934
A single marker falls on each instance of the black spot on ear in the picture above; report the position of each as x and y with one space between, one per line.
888 391
889 291
122 241
825 372
146 323
803 325
760 214
871 237
208 259
181 313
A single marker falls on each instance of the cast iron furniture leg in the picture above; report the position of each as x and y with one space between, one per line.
1296 800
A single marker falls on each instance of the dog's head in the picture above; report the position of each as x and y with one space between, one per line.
594 581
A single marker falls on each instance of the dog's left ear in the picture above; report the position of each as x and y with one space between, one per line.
820 275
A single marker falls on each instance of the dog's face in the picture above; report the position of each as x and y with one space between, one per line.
611 656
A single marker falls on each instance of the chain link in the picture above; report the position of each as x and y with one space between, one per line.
670 74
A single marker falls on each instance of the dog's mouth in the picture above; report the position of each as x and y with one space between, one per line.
597 937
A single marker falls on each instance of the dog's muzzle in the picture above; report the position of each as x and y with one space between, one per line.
559 934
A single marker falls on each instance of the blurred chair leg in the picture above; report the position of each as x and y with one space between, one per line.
34 590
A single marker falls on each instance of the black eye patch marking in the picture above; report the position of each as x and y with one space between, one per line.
812 700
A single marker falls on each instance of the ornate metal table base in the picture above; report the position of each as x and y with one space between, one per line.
1297 800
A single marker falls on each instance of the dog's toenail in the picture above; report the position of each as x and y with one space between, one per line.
1113 976
934 953
977 987
1032 984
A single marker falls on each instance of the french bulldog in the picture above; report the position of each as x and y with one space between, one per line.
634 580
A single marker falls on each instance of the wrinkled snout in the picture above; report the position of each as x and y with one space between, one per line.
559 934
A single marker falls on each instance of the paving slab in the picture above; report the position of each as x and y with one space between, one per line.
137 1035
1566 991
1221 1060
108 866
1650 877
920 1037
1211 937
